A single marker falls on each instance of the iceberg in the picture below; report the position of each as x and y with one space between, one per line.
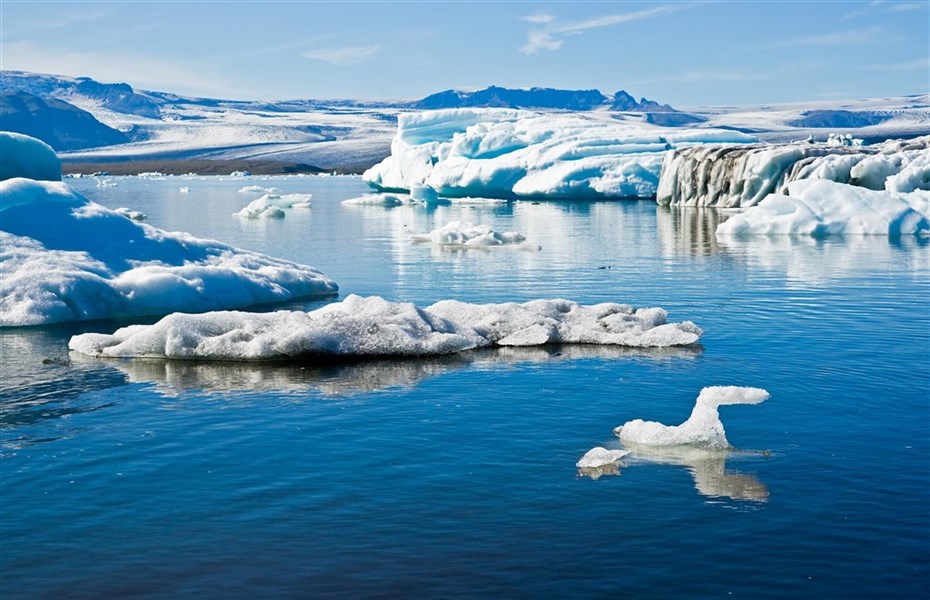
733 176
372 327
821 208
24 156
703 428
65 258
503 153
271 206
600 457
466 235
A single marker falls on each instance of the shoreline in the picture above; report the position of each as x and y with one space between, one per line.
199 166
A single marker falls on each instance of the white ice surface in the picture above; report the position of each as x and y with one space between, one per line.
502 153
703 428
24 156
64 258
598 457
373 326
821 207
271 206
132 215
466 235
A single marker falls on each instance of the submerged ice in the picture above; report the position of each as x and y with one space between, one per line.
501 153
372 326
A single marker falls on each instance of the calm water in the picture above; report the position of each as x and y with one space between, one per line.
455 476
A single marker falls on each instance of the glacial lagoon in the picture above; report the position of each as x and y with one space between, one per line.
456 475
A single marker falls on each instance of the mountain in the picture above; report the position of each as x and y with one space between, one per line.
539 99
117 97
61 125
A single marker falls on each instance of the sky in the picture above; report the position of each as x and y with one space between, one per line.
686 53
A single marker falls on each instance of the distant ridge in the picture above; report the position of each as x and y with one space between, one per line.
61 125
539 98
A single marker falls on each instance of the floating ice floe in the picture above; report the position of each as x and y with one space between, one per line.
132 215
821 208
271 206
257 189
64 258
600 457
380 200
500 153
359 327
733 176
703 428
184 190
466 235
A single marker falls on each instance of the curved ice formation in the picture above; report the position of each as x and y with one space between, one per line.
820 208
466 235
24 156
600 457
502 153
743 175
64 258
376 327
703 428
271 206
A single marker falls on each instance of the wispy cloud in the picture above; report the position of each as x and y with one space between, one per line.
538 18
909 65
698 76
837 38
549 37
346 55
908 6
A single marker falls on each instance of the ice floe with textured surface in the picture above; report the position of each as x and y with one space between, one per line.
132 215
466 235
703 428
821 208
600 457
64 258
380 200
743 175
271 206
503 153
372 326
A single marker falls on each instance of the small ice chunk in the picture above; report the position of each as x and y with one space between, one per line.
270 206
257 189
184 189
132 215
703 427
423 193
458 233
600 457
380 200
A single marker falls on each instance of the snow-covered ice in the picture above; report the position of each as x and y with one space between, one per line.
64 258
466 235
380 200
703 428
24 156
372 326
502 153
271 206
822 207
257 189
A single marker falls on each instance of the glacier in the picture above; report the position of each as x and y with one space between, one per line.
65 258
732 176
372 326
504 153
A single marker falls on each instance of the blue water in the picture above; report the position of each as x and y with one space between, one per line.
455 477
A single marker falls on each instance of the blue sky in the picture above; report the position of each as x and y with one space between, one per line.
684 53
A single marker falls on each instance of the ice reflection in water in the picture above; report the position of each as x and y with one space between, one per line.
346 378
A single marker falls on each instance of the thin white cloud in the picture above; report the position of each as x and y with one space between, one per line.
347 55
549 37
908 6
538 18
910 65
838 38
698 76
